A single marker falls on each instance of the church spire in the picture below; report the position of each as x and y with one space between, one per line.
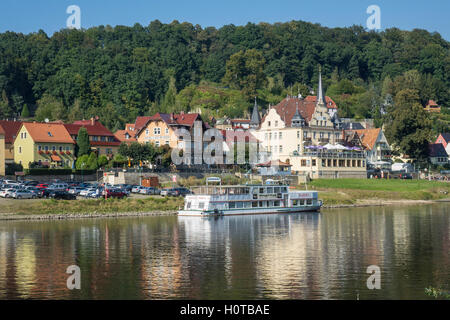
320 94
255 119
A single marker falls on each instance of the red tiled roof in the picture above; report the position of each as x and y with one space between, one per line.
2 132
431 103
10 128
286 109
120 135
330 103
96 129
48 132
368 137
182 119
240 120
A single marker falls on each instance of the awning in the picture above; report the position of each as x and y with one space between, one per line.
56 158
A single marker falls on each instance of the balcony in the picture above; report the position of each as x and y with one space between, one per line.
331 154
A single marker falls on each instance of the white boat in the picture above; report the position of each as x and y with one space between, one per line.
271 197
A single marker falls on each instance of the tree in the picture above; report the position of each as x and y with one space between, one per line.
245 71
82 162
25 112
409 126
83 145
92 163
102 161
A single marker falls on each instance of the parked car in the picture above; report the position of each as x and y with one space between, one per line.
36 191
85 192
59 186
23 194
114 193
175 192
75 190
137 189
149 190
62 195
42 185
6 193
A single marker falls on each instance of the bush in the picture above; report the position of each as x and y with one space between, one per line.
12 168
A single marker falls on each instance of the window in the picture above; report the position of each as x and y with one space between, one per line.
309 202
46 148
157 143
281 148
268 123
303 163
102 138
270 136
314 162
157 131
261 190
298 148
276 189
280 135
49 134
314 134
60 149
298 134
20 149
53 148
239 205
265 136
201 205
167 130
67 148
276 203
231 205
274 136
254 204
276 123
39 148
167 142
94 138
146 132
294 202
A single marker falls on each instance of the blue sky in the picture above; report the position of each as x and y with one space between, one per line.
50 15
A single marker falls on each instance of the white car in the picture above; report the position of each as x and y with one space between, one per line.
23 194
6 193
137 189
85 192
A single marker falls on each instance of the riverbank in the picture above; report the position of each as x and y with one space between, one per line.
359 192
335 193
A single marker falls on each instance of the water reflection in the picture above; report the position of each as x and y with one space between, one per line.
298 256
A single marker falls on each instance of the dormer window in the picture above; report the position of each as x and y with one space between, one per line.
49 134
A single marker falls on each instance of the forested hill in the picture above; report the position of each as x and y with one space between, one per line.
118 73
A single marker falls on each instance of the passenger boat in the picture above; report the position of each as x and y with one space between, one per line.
268 198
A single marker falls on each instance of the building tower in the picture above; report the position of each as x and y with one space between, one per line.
255 120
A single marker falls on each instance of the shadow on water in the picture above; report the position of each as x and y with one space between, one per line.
286 256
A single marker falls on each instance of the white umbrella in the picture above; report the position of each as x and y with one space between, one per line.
340 147
329 146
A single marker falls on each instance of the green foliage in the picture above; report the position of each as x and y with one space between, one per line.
25 112
409 126
51 108
12 168
83 145
102 161
92 162
82 162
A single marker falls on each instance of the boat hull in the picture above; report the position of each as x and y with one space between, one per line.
249 211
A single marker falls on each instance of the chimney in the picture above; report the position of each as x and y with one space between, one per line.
92 121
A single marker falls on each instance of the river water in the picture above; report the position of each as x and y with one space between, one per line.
293 256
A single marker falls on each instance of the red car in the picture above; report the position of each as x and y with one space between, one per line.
42 186
114 193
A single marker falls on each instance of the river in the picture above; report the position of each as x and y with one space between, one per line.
293 256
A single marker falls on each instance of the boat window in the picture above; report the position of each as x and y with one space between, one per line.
309 202
201 205
255 190
247 204
239 204
261 190
277 189
246 190
269 189
283 189
188 205
276 203
261 204
302 202
294 202
232 205
254 204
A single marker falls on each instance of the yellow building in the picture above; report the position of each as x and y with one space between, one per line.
2 152
47 144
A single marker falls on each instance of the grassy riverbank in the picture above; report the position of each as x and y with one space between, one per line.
357 191
91 206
